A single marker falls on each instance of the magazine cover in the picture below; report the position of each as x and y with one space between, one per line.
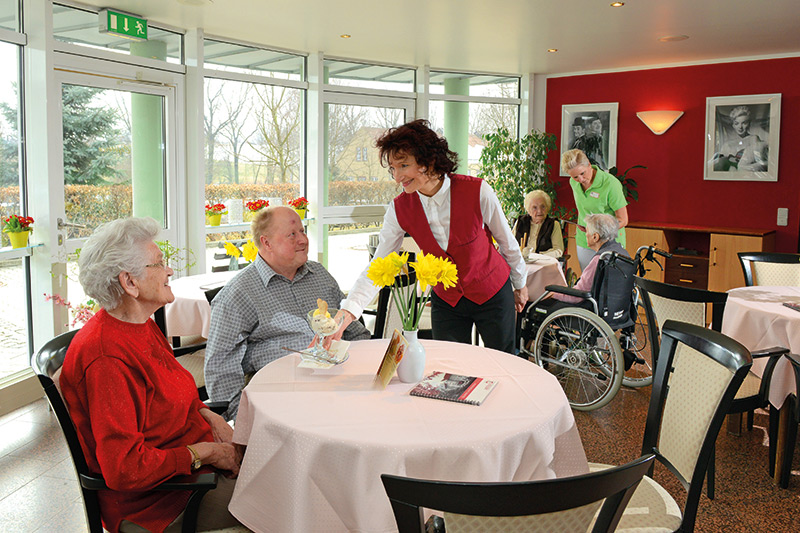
454 388
394 353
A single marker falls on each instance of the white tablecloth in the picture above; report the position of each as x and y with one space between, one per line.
541 273
318 440
757 318
190 313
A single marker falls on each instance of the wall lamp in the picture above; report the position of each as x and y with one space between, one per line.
659 121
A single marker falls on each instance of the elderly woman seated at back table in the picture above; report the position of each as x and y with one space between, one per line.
536 232
136 409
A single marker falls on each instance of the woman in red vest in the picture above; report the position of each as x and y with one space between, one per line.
455 217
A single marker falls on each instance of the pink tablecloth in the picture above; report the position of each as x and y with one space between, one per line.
318 440
190 313
545 271
756 317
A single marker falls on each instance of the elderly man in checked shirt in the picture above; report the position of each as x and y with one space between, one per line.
264 307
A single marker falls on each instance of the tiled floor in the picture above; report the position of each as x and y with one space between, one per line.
38 490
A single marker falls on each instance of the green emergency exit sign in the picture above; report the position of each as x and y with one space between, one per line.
123 24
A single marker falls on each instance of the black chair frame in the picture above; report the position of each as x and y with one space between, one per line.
410 496
793 404
724 351
45 363
745 258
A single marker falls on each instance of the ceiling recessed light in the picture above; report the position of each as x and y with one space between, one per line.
673 38
345 36
617 4
551 50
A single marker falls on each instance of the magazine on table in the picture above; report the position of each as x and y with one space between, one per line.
454 388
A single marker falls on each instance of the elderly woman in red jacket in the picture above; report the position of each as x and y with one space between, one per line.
452 216
136 409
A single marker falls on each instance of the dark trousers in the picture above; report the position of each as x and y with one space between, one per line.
495 320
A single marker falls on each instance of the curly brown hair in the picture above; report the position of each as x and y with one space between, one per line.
417 139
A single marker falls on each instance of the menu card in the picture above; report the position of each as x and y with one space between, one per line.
394 354
454 388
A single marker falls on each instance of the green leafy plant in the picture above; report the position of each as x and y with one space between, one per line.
514 167
179 259
628 184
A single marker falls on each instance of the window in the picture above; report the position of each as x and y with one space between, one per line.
254 135
369 76
465 107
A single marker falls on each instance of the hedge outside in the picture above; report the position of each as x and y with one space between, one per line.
93 204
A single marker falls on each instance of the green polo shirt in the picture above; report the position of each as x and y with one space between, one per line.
605 195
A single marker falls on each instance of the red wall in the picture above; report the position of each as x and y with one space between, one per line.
672 188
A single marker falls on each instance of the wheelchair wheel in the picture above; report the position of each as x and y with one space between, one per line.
582 352
637 340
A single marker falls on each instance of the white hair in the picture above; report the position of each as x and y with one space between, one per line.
115 247
604 225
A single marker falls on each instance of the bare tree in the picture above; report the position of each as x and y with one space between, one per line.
212 122
237 129
278 114
344 121
489 118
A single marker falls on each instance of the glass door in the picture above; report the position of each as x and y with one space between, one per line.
118 161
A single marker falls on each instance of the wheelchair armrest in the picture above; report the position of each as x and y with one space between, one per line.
569 291
217 407
769 352
207 480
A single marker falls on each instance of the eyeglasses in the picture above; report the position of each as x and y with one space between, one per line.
160 264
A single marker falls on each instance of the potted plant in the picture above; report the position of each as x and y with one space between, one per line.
18 229
628 184
300 205
214 213
253 208
514 167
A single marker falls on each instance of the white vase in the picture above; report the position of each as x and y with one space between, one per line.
412 366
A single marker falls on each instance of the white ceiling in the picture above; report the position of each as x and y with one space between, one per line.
504 36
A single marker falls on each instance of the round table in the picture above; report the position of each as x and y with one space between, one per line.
190 313
318 440
543 271
757 318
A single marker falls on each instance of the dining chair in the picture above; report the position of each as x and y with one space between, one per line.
46 364
189 351
590 502
697 374
770 268
663 302
789 440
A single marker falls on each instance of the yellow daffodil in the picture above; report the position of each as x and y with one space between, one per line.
250 251
427 268
382 271
449 274
232 250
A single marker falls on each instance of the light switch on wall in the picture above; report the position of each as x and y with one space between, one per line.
783 216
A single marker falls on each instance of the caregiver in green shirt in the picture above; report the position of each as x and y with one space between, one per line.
595 191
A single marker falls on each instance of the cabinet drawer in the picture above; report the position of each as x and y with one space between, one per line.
688 271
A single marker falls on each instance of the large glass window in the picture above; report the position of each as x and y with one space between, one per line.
254 134
465 107
14 290
9 14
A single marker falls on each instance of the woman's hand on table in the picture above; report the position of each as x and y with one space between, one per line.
221 455
520 298
221 430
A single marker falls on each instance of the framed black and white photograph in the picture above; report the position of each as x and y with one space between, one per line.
593 129
742 137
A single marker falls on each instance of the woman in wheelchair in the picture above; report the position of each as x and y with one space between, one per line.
571 331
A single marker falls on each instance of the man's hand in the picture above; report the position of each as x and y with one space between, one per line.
520 298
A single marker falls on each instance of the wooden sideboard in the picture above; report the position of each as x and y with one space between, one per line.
702 257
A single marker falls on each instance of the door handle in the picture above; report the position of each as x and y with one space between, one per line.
62 224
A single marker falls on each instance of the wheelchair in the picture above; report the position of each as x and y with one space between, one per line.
595 346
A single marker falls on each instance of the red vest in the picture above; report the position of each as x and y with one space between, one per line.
482 271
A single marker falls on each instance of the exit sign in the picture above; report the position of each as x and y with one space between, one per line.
123 24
